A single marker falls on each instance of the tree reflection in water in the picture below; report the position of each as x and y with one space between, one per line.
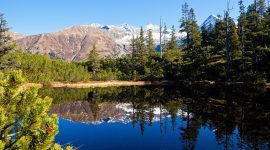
239 115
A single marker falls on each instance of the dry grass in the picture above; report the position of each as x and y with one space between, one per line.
95 84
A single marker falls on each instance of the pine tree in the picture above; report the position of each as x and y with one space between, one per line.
227 46
6 42
165 30
205 36
134 57
185 25
139 55
173 44
257 33
211 35
196 38
24 122
141 45
241 26
234 43
133 47
150 43
189 25
219 36
141 48
93 60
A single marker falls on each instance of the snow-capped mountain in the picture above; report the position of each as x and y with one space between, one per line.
212 19
130 30
74 43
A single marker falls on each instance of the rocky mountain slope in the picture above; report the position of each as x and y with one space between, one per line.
72 44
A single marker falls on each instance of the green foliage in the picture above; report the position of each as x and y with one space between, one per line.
193 39
173 44
24 122
106 75
6 43
253 77
153 70
173 55
150 43
93 61
38 68
219 36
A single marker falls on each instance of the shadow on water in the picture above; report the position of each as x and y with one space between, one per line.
236 117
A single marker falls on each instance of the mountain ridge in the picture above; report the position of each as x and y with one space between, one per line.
74 43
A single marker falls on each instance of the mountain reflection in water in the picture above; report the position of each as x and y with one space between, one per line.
182 117
108 112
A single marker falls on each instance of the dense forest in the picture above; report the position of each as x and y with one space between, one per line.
229 50
225 51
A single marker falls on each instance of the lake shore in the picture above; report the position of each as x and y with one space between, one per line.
97 84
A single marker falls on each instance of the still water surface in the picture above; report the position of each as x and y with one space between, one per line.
204 117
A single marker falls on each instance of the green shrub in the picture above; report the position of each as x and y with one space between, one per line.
41 69
105 75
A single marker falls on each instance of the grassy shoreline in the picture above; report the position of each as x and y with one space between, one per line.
97 84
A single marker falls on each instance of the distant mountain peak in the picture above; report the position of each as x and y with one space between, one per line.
122 27
210 20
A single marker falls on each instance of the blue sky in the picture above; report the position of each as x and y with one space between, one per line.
39 16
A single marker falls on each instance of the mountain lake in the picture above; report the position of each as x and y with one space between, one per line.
207 117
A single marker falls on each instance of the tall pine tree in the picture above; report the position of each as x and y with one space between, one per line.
242 21
134 57
141 47
173 44
205 36
192 41
257 31
219 37
195 36
6 42
150 43
93 60
185 26
234 44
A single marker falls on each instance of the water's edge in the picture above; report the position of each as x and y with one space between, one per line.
97 84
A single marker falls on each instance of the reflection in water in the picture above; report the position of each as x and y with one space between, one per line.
237 116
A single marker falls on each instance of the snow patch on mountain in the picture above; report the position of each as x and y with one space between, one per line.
123 33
